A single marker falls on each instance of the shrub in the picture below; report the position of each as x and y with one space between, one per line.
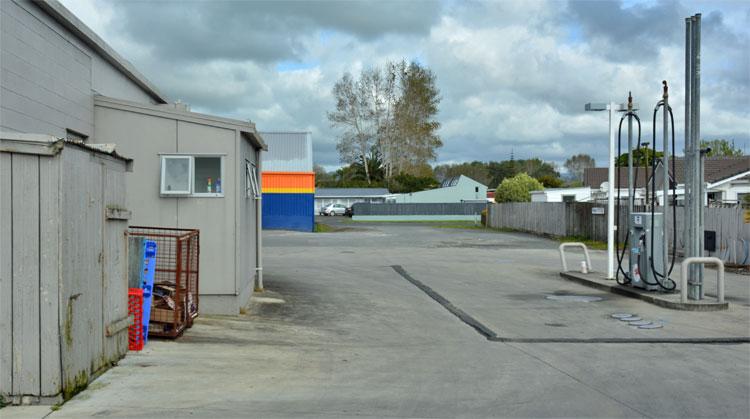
517 189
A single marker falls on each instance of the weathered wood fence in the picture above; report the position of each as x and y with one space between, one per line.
577 219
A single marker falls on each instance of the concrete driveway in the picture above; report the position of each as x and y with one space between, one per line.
341 333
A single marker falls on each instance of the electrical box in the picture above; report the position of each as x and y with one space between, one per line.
709 240
643 249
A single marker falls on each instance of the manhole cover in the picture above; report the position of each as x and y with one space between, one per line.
651 326
630 319
621 315
574 298
640 323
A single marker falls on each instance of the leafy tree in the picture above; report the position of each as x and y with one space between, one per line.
476 170
576 164
550 181
501 170
721 148
517 188
642 157
405 183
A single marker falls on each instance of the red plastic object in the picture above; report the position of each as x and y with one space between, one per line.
135 330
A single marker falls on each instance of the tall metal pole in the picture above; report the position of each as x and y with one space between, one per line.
611 196
696 131
690 181
665 171
694 243
631 187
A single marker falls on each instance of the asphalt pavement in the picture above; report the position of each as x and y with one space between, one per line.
398 320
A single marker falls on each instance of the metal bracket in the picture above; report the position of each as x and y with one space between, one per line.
702 260
574 244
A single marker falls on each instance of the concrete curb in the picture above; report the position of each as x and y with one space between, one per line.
649 297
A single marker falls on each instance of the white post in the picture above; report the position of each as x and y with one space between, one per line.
611 197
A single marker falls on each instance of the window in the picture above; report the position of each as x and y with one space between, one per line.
569 198
198 176
251 180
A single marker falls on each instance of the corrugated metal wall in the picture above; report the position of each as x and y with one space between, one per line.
288 200
288 181
288 152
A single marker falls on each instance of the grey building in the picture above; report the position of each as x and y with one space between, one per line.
348 196
456 189
191 170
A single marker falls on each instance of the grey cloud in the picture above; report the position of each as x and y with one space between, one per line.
263 31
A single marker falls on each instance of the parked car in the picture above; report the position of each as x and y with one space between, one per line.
334 209
349 212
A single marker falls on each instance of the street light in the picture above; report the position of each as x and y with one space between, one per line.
596 107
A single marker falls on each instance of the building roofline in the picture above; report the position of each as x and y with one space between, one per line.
167 111
49 145
68 20
729 179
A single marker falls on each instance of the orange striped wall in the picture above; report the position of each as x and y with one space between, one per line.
288 182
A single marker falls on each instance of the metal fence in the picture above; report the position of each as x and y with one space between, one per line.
578 219
176 298
454 208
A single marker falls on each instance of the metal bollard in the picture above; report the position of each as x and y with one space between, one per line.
702 260
574 244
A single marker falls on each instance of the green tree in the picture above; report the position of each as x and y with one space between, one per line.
406 183
642 157
721 148
501 170
517 188
550 181
476 170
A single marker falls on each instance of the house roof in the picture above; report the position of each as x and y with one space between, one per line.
67 19
714 169
349 192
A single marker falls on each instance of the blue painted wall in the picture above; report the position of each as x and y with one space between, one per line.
289 211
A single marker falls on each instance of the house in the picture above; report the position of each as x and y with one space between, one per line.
455 189
348 196
582 194
288 181
191 170
727 178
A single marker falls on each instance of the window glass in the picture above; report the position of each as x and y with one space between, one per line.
176 175
208 175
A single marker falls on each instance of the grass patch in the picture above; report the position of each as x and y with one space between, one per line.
323 228
591 244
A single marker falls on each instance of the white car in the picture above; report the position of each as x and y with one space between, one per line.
333 209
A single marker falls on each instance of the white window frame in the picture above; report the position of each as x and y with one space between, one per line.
191 174
251 180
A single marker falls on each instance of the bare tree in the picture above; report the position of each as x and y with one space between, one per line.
578 163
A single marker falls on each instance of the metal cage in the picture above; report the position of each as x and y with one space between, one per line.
175 294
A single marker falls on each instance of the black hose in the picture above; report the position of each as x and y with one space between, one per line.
656 273
621 255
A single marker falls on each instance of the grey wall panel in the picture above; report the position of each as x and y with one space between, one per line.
49 275
81 301
25 203
6 277
213 216
142 138
246 226
45 77
49 75
114 280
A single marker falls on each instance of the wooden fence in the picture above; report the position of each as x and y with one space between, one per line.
578 219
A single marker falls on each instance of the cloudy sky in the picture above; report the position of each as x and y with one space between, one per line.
513 75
